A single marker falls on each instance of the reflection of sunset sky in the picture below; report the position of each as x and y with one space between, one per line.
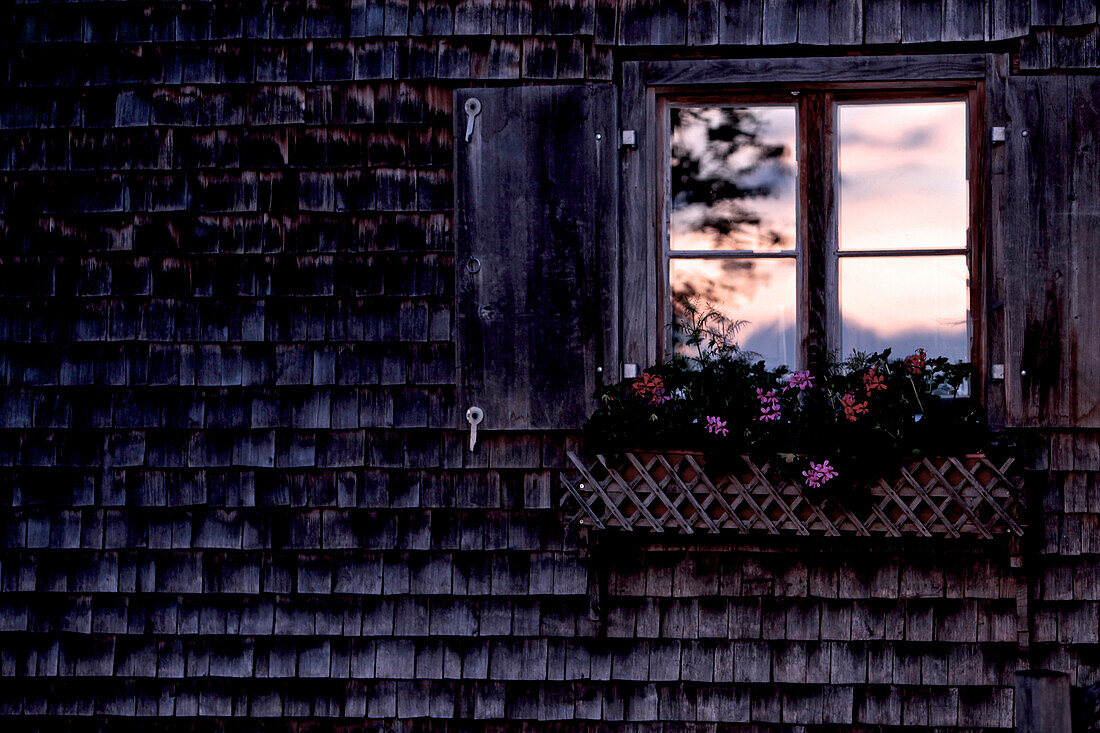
902 175
776 211
759 291
902 184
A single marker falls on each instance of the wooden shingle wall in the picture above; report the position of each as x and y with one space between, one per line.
1065 587
226 361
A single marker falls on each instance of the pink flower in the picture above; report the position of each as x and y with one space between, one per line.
717 426
819 474
770 408
799 380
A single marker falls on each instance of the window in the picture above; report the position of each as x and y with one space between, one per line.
825 219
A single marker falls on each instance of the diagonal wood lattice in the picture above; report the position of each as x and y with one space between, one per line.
671 492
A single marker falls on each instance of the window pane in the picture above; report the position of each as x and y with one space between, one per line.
902 175
905 303
733 178
756 290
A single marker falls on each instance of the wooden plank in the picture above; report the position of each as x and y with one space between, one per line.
1009 19
1079 12
473 17
740 22
535 206
817 262
1041 381
1084 195
606 22
1046 12
702 23
845 22
780 22
1043 702
511 17
653 23
814 69
882 21
1074 49
583 21
993 265
813 22
439 19
921 21
638 235
669 23
964 20
1035 50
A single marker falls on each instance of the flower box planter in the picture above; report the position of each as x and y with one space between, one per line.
672 492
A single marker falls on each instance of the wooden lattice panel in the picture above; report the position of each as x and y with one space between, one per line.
671 492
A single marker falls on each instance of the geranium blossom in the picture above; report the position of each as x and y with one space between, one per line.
799 380
716 425
769 405
819 474
872 380
853 409
651 388
916 361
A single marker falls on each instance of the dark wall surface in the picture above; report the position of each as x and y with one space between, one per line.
227 495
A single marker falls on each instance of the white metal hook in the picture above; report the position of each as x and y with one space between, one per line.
474 416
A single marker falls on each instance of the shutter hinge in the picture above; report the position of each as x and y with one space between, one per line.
629 138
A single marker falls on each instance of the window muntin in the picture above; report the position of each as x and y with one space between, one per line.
896 250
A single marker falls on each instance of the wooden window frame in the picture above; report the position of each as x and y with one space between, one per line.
649 86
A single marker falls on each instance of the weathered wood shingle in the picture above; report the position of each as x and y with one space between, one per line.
231 490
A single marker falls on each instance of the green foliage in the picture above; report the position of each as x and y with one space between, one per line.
865 415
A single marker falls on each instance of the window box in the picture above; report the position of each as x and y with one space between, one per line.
672 492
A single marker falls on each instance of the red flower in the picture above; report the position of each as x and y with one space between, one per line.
650 388
853 409
916 361
872 380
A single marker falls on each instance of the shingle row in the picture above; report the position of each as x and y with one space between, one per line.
734 663
436 612
344 103
182 150
475 574
648 704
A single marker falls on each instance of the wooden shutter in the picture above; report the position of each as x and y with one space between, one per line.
1051 251
536 235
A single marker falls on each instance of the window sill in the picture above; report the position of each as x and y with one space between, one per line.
671 493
